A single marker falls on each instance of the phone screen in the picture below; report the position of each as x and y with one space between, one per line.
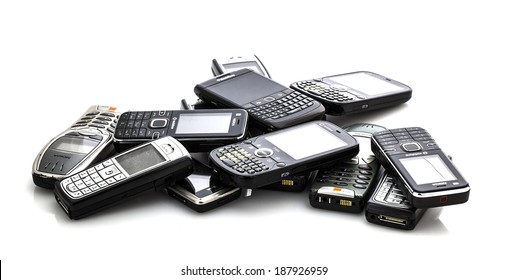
199 182
297 144
365 83
203 123
81 145
246 88
427 169
140 159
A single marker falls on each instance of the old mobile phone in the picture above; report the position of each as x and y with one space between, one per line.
146 167
270 105
229 64
291 183
197 130
389 207
347 185
425 175
85 142
354 92
201 192
269 158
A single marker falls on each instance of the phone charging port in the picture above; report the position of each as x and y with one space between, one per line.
392 220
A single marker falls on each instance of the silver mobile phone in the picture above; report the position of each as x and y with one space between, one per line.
223 65
147 167
85 142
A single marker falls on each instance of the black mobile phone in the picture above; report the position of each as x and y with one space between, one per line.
201 192
347 185
269 158
85 142
270 105
354 92
425 175
389 207
291 183
149 166
197 130
229 64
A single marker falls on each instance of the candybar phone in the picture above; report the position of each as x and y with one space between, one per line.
269 158
347 185
421 169
270 105
389 207
233 63
354 92
197 130
200 192
85 142
146 167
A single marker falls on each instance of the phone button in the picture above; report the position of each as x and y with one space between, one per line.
263 152
76 194
108 172
357 186
281 164
411 147
168 149
158 123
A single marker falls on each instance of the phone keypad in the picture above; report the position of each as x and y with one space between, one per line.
325 91
405 140
98 119
279 105
92 180
240 160
391 194
143 125
357 178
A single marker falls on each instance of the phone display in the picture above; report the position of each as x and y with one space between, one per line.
271 157
355 92
425 175
233 63
144 168
201 192
270 105
347 185
87 141
197 130
389 207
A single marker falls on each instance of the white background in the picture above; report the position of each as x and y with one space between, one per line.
59 57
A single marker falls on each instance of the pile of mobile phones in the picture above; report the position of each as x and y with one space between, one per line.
248 133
